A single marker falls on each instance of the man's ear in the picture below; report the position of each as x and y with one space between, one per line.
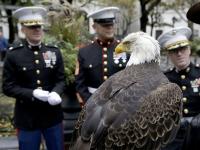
189 49
23 29
94 26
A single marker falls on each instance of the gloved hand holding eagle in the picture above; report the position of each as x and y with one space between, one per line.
136 108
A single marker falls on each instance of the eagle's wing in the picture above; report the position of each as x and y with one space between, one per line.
91 114
153 124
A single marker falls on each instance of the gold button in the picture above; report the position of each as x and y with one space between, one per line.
105 69
36 52
186 111
120 65
109 43
182 76
184 99
39 87
101 43
38 82
37 61
24 68
184 88
105 49
105 56
38 71
105 77
105 62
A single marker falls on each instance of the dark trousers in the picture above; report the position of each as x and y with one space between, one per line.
3 54
53 136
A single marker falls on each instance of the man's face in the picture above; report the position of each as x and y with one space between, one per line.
180 57
104 32
33 34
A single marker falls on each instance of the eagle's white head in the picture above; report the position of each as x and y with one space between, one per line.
142 47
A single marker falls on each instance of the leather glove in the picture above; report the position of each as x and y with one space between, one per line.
54 98
41 94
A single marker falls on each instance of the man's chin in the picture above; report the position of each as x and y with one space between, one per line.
182 65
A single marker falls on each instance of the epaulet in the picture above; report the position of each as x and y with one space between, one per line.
51 45
169 70
15 46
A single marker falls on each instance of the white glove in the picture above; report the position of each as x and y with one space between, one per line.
41 94
54 98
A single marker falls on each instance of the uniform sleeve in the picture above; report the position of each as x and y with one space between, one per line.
60 75
81 87
9 85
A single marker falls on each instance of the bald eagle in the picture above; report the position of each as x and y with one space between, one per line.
136 108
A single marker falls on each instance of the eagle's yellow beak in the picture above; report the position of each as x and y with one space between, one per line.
120 48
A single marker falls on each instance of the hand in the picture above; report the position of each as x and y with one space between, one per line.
41 94
54 98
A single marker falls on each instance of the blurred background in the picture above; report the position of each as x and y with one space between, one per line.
69 29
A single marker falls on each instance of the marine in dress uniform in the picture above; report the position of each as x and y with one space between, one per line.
176 43
34 75
97 61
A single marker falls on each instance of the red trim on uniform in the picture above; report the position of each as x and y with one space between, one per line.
102 64
17 132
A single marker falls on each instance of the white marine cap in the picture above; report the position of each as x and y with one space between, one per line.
175 38
105 15
30 16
